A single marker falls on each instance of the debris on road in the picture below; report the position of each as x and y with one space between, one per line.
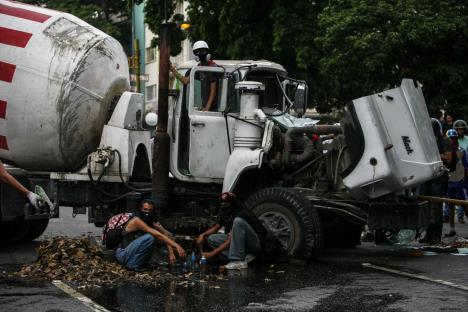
79 261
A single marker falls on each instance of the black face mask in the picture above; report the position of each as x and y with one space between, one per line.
147 217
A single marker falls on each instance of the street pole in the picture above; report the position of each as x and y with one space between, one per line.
161 140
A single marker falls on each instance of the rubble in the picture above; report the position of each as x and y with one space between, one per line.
79 261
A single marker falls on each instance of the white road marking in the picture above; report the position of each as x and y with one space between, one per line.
73 293
416 276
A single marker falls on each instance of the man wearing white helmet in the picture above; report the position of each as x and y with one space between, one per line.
209 82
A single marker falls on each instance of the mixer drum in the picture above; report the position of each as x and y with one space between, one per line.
59 81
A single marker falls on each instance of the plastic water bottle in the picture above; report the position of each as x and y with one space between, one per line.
193 262
203 267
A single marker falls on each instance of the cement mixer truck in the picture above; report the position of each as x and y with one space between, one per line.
69 125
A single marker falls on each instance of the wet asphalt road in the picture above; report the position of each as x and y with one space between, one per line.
336 282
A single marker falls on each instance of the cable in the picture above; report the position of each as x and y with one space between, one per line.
123 180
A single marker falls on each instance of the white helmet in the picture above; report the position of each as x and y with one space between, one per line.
200 45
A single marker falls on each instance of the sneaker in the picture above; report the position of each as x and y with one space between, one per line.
451 234
236 265
249 258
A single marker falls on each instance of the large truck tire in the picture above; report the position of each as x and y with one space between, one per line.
13 231
292 217
37 227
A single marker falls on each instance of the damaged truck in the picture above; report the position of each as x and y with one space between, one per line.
70 125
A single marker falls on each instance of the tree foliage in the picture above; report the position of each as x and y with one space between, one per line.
163 11
347 48
109 16
370 45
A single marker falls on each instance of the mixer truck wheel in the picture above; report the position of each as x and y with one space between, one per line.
13 231
291 217
36 229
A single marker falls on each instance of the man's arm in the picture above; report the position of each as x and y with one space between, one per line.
138 224
7 178
201 238
219 249
212 96
178 76
170 257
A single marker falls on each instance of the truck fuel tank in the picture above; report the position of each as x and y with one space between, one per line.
59 80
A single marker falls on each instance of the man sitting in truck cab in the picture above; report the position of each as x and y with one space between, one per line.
209 81
139 238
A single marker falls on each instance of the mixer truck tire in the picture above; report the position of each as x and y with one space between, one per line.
291 217
36 228
13 231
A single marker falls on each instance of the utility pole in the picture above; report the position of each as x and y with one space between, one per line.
161 140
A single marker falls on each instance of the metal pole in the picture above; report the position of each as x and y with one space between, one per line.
449 201
136 60
161 140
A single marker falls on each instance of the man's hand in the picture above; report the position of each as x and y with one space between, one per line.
180 251
204 109
207 255
200 240
33 199
171 258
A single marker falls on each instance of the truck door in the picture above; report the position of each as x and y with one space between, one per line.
208 147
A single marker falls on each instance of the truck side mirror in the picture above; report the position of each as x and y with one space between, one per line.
300 98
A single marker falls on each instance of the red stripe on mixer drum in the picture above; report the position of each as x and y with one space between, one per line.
7 71
14 37
23 13
3 142
3 105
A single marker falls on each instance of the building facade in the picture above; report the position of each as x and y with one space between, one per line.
149 57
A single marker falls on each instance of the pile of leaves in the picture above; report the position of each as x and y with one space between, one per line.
460 243
78 260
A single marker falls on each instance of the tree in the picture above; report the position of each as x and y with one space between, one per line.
366 46
161 11
109 16
235 29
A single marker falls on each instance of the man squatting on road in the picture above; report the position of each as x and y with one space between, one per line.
242 238
140 234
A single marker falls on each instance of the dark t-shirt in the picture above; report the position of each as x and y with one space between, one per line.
227 215
206 78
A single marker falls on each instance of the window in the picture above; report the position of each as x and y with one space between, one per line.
150 93
150 55
203 87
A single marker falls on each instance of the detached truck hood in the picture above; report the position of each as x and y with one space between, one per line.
390 142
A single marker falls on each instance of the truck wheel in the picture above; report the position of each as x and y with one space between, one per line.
292 217
37 227
13 231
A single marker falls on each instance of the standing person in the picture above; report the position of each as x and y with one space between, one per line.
448 121
209 81
437 187
7 178
460 126
455 188
139 238
242 238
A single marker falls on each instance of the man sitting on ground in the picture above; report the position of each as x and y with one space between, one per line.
242 238
139 237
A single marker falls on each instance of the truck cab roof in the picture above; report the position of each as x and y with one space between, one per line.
232 64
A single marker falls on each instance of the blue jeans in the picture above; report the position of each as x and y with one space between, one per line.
244 240
137 254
